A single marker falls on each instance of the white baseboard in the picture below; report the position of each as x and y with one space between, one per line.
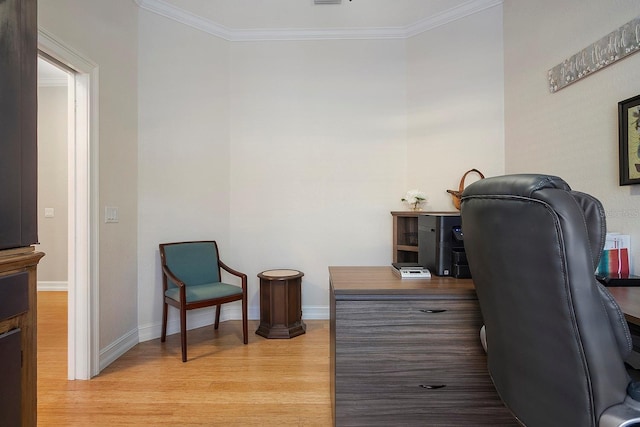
52 286
315 312
117 348
205 317
195 319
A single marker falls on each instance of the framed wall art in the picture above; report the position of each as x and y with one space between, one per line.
629 134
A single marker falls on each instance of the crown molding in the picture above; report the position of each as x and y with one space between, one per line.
450 15
185 17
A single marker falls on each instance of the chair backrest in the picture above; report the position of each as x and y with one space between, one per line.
194 263
556 339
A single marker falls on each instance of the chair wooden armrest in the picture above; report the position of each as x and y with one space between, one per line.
237 273
167 272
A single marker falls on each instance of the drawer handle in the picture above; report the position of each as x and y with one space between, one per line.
432 387
426 310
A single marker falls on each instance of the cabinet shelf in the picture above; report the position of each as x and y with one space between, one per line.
405 235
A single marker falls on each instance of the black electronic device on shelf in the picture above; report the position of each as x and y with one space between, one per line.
441 245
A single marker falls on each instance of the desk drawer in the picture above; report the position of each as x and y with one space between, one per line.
360 316
453 377
440 330
471 407
413 363
418 394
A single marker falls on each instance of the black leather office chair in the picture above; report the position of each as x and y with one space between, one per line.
556 338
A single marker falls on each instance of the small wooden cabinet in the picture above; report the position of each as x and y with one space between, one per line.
405 234
18 285
407 352
281 304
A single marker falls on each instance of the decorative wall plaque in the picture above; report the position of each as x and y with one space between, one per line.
618 44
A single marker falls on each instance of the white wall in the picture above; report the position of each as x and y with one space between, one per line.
184 163
106 33
572 133
52 182
455 105
300 166
318 157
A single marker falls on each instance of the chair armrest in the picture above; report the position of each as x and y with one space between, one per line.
239 274
626 414
179 283
617 321
228 269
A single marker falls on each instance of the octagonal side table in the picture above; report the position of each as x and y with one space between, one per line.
281 304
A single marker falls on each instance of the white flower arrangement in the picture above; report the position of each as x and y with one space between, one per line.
414 198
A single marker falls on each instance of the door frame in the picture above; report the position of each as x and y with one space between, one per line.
83 360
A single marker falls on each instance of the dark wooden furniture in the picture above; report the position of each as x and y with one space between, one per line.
191 279
281 304
11 374
18 214
628 298
407 352
405 235
18 123
18 284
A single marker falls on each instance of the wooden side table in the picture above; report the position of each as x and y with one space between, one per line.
281 304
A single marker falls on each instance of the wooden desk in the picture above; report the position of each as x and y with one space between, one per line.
407 352
628 298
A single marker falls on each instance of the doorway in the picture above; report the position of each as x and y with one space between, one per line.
53 125
53 205
82 260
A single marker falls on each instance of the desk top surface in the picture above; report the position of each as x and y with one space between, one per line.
352 281
628 298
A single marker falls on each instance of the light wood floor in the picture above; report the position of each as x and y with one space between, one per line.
225 383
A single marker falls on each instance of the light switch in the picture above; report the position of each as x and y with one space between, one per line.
48 213
111 214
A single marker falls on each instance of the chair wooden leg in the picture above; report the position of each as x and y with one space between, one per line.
163 336
244 320
183 333
215 326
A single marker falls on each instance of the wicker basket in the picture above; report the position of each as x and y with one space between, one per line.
457 194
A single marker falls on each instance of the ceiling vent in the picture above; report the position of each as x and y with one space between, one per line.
327 1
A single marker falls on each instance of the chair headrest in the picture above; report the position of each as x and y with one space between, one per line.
526 185
515 185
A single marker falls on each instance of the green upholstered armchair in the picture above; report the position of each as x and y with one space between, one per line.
191 279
